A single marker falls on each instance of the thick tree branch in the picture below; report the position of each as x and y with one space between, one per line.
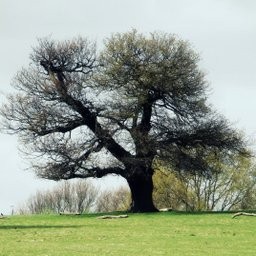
212 133
71 125
90 120
145 125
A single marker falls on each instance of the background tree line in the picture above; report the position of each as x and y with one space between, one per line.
81 196
230 186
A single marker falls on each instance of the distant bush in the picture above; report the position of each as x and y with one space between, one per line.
232 186
117 200
76 197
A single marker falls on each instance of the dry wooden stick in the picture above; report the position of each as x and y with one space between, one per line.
244 214
112 216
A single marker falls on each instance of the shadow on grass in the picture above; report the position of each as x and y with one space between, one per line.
38 226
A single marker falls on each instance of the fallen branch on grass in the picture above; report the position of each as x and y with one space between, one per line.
69 213
243 214
112 216
165 210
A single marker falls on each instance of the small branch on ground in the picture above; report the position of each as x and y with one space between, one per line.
243 214
69 213
112 216
165 210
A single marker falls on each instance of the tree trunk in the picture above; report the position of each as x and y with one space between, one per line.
141 186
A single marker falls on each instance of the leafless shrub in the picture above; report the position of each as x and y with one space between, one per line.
77 197
117 200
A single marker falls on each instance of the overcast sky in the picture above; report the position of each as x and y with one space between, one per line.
223 32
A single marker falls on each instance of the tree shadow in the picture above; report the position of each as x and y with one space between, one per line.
38 226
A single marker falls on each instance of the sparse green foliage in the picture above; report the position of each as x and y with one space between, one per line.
230 185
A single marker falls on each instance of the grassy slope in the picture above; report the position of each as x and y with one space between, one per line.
140 234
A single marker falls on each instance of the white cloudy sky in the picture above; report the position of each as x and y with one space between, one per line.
222 31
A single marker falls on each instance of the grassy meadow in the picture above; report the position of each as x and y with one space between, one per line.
139 234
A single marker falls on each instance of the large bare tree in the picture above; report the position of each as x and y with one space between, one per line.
85 113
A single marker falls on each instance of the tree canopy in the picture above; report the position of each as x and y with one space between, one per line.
88 113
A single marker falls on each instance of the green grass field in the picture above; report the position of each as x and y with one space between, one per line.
140 234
